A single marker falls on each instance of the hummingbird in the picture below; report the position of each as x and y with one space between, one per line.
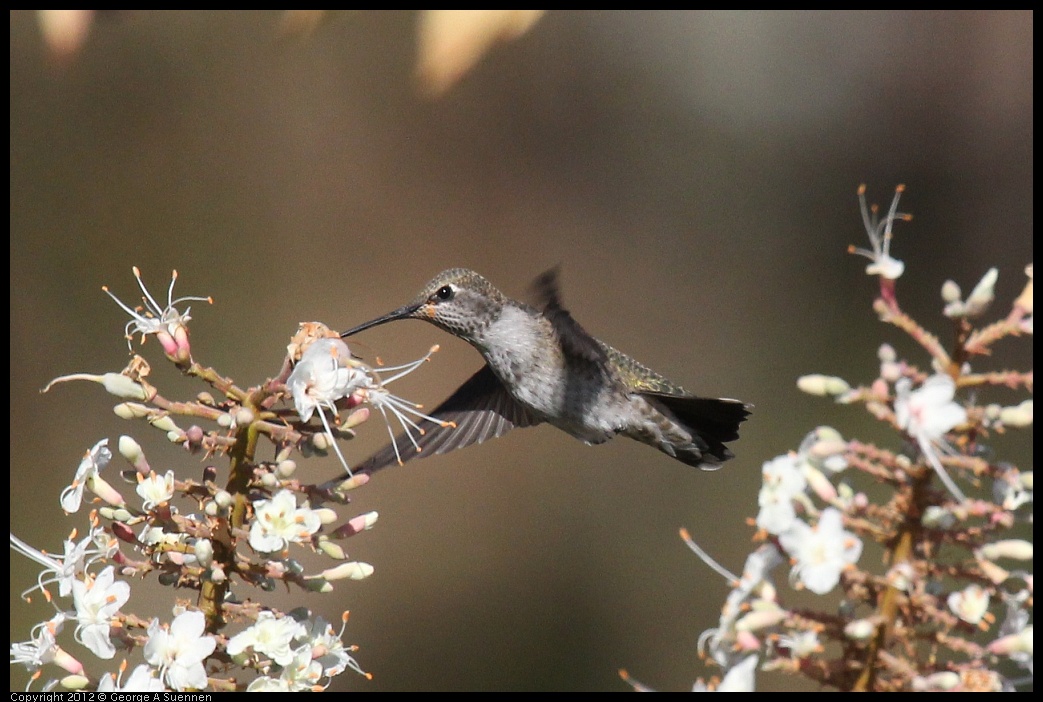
542 366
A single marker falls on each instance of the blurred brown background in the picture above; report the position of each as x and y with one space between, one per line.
693 173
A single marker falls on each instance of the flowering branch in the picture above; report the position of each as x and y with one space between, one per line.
237 536
943 614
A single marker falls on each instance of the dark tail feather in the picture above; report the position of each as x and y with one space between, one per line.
714 421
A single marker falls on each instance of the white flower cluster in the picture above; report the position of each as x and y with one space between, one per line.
957 561
234 544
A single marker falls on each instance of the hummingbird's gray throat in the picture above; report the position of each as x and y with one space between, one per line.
542 366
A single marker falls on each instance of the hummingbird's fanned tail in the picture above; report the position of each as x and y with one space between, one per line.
479 410
712 422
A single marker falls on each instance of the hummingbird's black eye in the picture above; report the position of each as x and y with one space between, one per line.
444 293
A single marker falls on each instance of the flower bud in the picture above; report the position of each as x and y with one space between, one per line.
1024 301
73 682
131 450
124 533
1016 549
983 294
217 573
761 618
163 422
356 481
993 572
331 549
116 514
326 515
318 584
943 681
936 517
121 386
131 410
355 418
860 630
204 551
1017 416
822 385
819 483
354 570
951 292
98 485
1019 642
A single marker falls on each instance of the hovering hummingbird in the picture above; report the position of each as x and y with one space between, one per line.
542 366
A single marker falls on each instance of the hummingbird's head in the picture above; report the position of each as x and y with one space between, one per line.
458 300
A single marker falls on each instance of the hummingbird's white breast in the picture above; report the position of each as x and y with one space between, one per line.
523 351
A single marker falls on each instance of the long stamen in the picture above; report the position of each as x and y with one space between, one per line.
128 310
147 295
708 559
333 440
892 214
407 368
170 290
864 207
932 458
394 444
412 408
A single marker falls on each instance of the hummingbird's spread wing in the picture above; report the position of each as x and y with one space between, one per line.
575 341
481 409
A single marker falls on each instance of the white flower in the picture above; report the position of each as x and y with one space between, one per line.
927 414
755 578
268 684
279 521
740 677
970 604
983 294
302 673
269 636
325 374
783 482
155 490
97 601
930 411
822 551
801 644
43 647
180 649
92 463
61 569
880 237
167 323
327 647
140 680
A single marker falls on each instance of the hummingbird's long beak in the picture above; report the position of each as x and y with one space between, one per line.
401 313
